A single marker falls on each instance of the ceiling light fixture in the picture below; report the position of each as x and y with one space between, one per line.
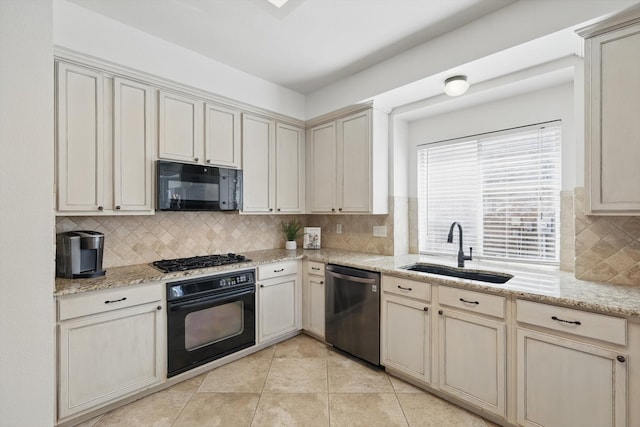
278 3
456 85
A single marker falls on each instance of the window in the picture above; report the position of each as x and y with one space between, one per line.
502 187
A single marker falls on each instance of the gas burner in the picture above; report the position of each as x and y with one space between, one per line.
205 261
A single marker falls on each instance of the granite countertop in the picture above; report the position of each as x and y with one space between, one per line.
536 284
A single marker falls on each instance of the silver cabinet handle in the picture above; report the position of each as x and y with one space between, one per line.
404 289
115 300
278 271
315 268
469 302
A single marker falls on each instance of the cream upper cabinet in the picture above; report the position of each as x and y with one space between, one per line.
612 134
222 136
184 137
132 146
80 139
257 156
565 379
104 143
273 166
348 164
322 170
289 169
180 132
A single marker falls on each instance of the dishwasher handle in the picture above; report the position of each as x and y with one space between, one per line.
350 278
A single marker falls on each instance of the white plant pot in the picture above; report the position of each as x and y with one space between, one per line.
290 245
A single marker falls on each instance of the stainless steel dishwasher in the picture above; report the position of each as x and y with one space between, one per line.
352 311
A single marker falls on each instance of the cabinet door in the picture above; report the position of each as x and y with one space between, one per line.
289 169
179 128
472 360
322 171
316 305
107 356
132 146
222 136
257 158
613 133
277 307
563 383
80 139
354 163
406 336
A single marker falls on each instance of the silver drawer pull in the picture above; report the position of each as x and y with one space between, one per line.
315 268
115 300
405 289
469 302
574 322
278 271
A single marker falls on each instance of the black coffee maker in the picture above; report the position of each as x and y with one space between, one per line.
79 254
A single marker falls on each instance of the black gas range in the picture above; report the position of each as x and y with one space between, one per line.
205 261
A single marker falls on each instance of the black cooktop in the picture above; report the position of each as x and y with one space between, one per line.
181 264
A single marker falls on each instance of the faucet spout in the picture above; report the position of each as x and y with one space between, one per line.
461 256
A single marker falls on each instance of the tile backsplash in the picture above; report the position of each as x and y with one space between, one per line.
607 248
165 235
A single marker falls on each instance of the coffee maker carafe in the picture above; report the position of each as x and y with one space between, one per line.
79 254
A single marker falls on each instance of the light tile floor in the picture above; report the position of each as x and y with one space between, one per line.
299 382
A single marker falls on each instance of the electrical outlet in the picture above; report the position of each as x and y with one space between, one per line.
379 231
338 228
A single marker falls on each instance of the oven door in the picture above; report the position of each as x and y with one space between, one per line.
209 327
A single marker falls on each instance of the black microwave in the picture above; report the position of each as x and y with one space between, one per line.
188 187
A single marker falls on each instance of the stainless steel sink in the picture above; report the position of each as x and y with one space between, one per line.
443 270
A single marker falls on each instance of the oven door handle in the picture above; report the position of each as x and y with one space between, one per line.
206 301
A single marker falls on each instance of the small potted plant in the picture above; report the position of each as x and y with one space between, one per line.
291 231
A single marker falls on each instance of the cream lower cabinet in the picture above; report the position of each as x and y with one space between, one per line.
472 348
406 327
567 381
314 299
279 300
110 345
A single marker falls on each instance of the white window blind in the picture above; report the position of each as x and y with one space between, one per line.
502 187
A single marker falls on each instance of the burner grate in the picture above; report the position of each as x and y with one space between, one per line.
205 261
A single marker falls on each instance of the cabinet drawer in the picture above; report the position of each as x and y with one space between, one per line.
476 302
278 269
111 299
316 268
406 288
577 322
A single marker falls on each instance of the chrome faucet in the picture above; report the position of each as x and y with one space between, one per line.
461 256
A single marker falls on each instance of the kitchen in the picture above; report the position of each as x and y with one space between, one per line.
34 77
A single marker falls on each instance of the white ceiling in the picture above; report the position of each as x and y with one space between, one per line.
306 44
